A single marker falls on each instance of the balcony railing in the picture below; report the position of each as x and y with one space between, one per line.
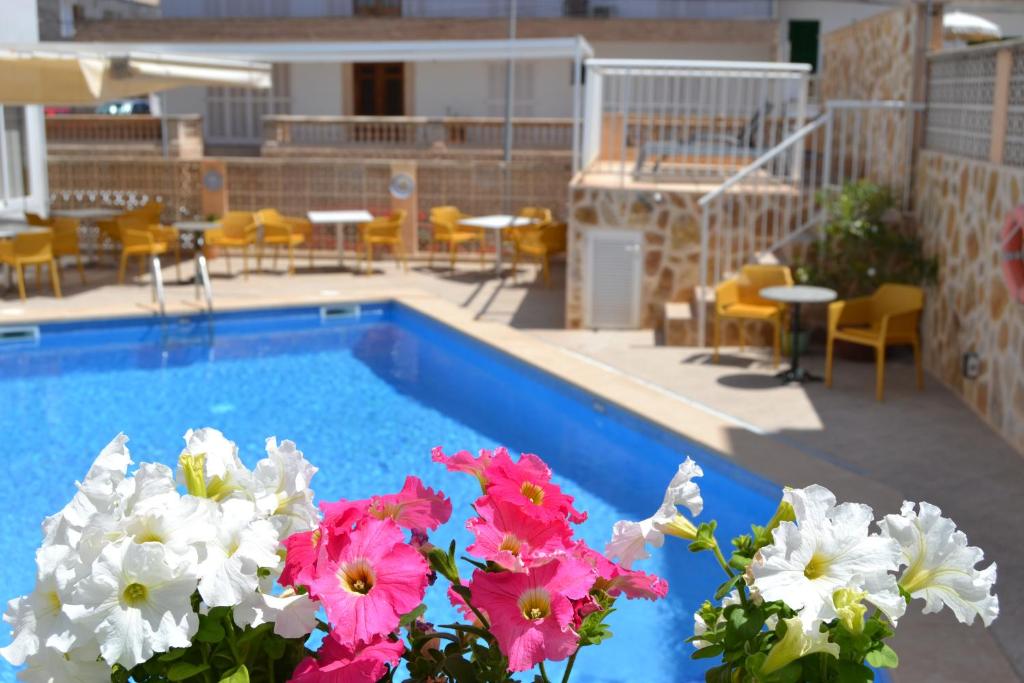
71 133
409 133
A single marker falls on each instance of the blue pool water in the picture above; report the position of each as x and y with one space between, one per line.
365 398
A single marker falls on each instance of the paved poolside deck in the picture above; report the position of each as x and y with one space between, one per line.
924 445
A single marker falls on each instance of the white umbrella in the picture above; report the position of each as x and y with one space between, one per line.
969 28
69 74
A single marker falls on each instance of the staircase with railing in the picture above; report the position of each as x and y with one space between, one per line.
761 211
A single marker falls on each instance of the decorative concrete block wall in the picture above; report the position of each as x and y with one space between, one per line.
961 207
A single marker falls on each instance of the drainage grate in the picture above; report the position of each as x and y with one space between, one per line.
336 311
22 333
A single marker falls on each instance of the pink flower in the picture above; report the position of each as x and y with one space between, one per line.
616 580
342 515
507 534
531 613
367 580
527 483
338 663
301 550
463 461
414 507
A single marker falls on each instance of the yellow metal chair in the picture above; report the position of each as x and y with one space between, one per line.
387 231
299 226
277 233
65 241
542 242
238 230
889 317
137 240
739 299
445 222
31 249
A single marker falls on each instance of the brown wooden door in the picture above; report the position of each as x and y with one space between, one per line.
379 89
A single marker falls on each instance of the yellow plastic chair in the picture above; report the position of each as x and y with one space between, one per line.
889 317
543 243
238 230
387 231
31 249
445 222
149 214
299 226
539 215
137 240
65 241
277 233
739 299
34 219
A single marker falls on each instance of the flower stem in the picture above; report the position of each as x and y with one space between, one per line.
568 667
543 673
721 560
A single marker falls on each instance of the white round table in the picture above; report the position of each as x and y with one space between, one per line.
796 296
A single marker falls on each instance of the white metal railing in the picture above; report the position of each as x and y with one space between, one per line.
767 204
662 120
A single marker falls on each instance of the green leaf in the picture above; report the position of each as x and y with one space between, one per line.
274 647
210 631
181 671
852 672
409 617
727 587
884 658
239 674
708 652
172 655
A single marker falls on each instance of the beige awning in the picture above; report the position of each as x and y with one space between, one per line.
38 74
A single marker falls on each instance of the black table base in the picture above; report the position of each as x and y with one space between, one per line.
795 373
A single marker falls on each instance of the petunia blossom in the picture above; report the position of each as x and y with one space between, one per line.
136 601
301 551
527 483
617 580
340 663
414 507
511 537
630 540
36 619
531 613
241 546
797 643
464 461
828 547
940 566
281 488
50 665
368 580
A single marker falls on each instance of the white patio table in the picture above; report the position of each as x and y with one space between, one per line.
340 220
798 295
496 223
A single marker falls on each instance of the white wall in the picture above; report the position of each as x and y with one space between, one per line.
478 89
686 50
316 89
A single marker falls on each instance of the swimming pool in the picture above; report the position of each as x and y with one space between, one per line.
365 394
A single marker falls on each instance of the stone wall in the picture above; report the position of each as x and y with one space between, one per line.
872 59
962 205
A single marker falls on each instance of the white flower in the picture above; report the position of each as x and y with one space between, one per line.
797 643
36 619
137 601
223 473
682 490
181 523
281 483
940 564
241 545
293 615
630 540
828 547
151 487
97 494
52 666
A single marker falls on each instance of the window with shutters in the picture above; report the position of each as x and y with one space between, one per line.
234 116
523 96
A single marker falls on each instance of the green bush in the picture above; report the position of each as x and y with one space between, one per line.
865 244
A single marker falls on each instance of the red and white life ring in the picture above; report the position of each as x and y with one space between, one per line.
1011 251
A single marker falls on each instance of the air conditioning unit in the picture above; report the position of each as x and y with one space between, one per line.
613 271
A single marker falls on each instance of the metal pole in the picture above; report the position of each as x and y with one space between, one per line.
510 82
163 125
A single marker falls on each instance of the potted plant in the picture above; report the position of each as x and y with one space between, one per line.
865 243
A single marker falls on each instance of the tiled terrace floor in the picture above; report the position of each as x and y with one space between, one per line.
920 446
